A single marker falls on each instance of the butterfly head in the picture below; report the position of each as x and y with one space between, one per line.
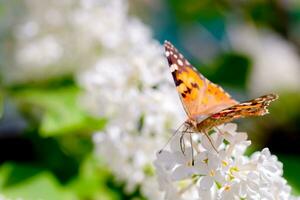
191 123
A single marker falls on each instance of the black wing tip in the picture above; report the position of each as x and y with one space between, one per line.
269 98
167 42
171 48
168 45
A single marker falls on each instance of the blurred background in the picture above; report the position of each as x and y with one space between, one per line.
250 48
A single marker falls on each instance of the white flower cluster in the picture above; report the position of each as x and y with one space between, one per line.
227 174
121 69
131 85
56 37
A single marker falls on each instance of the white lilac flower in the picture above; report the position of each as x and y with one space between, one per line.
135 93
131 85
121 69
55 38
223 175
275 60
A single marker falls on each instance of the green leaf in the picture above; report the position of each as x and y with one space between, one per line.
32 184
16 174
231 69
62 113
291 171
52 155
91 182
46 83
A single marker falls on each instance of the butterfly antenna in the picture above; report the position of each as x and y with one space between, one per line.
191 141
169 140
210 141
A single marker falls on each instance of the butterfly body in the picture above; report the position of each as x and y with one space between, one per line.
207 105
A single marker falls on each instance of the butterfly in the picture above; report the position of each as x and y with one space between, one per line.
206 104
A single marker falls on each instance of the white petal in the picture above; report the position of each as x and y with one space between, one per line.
206 143
241 137
175 143
166 158
229 128
206 183
213 161
202 170
183 172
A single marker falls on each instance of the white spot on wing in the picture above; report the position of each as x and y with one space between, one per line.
246 103
194 68
180 62
221 89
167 53
227 95
173 67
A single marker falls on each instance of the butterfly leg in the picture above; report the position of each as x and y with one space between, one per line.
191 141
195 147
210 141
175 133
182 143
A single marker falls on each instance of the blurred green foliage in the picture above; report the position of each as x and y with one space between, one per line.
36 186
29 182
240 67
61 112
291 171
62 164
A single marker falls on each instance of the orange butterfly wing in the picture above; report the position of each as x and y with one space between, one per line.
199 96
255 107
